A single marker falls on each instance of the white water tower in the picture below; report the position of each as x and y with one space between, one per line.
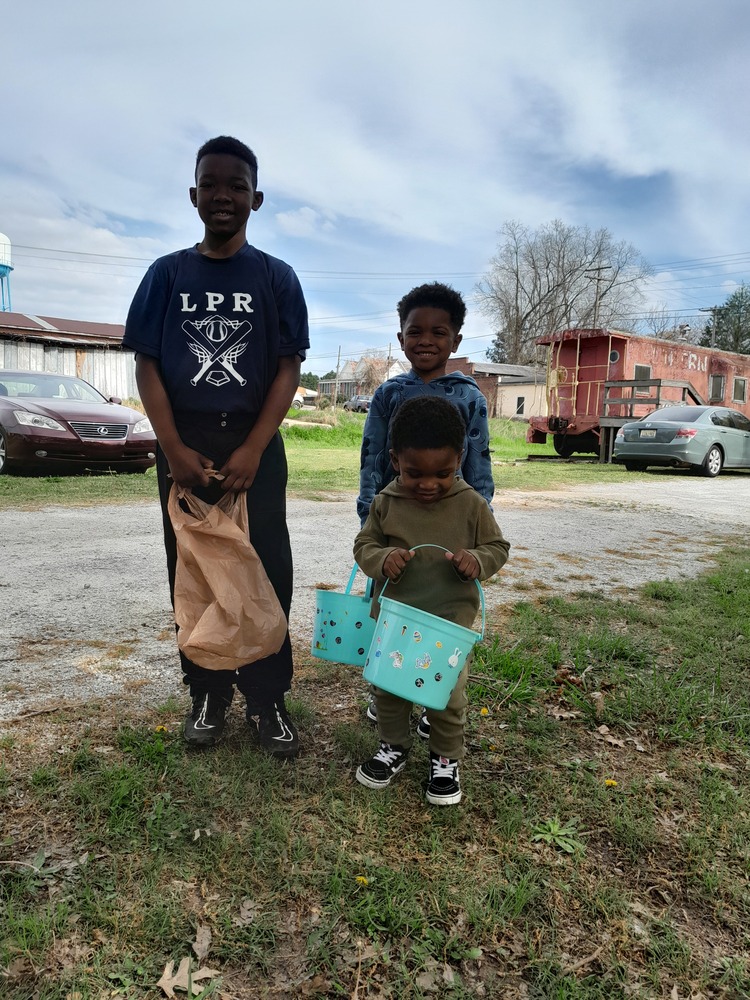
5 268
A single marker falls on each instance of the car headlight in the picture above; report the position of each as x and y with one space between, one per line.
143 427
37 420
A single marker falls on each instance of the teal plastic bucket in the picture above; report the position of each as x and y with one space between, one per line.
343 626
416 655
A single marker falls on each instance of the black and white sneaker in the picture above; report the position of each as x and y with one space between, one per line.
378 771
372 709
204 724
444 788
423 726
276 731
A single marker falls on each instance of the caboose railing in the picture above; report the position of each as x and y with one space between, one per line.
641 394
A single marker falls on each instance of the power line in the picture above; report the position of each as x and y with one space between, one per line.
692 263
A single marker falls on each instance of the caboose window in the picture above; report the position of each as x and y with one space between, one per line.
642 373
716 388
739 391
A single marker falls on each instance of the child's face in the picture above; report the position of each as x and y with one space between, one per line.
428 340
224 194
426 473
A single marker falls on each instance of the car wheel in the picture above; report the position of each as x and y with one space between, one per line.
713 462
635 466
297 404
3 454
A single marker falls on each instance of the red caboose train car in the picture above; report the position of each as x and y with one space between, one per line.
598 380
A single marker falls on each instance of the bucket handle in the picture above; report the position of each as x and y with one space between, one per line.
368 589
431 545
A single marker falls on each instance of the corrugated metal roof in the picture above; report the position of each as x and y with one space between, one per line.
60 331
509 371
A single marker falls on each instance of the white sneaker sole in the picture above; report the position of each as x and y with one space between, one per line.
365 779
444 800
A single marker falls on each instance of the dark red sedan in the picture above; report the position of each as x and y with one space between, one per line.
55 423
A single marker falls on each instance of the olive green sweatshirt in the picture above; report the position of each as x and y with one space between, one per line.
460 520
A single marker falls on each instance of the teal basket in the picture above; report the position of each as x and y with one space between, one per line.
343 626
416 655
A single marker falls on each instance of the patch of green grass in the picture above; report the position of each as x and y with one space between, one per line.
33 492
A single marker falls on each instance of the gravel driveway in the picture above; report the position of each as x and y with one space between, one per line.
85 605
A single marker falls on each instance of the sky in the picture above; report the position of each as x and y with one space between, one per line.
394 140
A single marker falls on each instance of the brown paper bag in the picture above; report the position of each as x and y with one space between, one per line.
226 610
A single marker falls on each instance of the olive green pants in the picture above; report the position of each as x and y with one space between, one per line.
446 725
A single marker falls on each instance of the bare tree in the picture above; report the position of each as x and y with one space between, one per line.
660 322
372 371
555 277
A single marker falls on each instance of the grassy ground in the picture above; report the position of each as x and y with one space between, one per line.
602 849
323 459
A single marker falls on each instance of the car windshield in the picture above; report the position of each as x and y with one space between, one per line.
678 414
23 385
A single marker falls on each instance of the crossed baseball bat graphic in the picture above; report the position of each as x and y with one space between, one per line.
226 353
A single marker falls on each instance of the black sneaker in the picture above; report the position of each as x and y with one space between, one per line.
276 731
423 726
444 788
205 723
378 771
372 709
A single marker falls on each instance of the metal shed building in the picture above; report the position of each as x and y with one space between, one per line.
91 351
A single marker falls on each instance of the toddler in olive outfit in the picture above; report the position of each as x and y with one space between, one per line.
428 504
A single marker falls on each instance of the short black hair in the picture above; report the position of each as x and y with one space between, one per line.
427 422
230 146
436 295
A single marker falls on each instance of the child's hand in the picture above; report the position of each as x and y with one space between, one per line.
240 469
465 564
188 467
394 563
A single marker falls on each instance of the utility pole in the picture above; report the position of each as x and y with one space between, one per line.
713 310
598 278
336 383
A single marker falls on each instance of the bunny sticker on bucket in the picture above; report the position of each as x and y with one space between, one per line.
454 657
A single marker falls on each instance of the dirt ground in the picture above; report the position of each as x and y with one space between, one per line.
85 605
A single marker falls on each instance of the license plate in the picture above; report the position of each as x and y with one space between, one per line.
648 434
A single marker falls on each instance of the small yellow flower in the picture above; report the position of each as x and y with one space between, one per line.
362 879
160 729
610 783
484 711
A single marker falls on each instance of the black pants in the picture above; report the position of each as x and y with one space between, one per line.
265 680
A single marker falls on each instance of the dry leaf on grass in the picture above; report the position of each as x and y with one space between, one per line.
249 910
639 746
202 943
608 738
560 713
171 980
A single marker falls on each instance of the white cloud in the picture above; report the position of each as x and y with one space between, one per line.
304 222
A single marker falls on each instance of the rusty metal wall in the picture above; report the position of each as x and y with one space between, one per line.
111 372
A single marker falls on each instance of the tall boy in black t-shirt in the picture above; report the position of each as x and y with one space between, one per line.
220 331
